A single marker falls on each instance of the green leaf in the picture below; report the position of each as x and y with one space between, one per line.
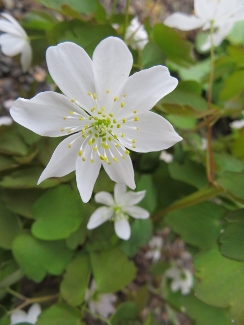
233 86
233 183
149 202
232 239
36 257
7 163
152 55
198 311
110 277
60 314
58 213
75 281
225 162
189 172
141 233
173 45
81 7
11 143
27 178
9 227
236 36
237 147
198 225
126 312
21 201
221 282
39 20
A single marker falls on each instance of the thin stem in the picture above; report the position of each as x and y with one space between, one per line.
126 17
210 160
113 9
16 294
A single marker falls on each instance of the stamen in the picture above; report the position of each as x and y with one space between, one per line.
136 118
134 111
124 120
95 96
65 117
108 91
73 100
115 98
80 153
69 145
122 104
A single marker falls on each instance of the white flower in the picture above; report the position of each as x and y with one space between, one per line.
165 156
181 279
155 244
117 209
5 120
106 111
221 13
136 35
237 124
15 40
101 304
20 316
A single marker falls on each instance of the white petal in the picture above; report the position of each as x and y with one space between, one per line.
86 174
18 316
144 89
44 114
11 45
183 21
99 216
63 159
33 313
104 198
26 56
121 171
133 198
5 120
122 229
175 285
15 23
119 193
137 212
206 9
71 69
112 62
155 133
104 305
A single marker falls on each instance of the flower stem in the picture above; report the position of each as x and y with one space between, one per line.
113 10
209 157
126 17
106 321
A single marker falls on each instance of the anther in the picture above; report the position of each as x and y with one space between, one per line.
122 135
71 112
124 120
92 160
134 111
69 145
118 126
95 96
89 93
115 98
65 118
84 159
99 112
124 95
110 114
73 100
133 141
62 130
136 118
80 153
127 152
81 118
95 148
69 131
108 91
103 109
115 159
117 145
93 109
122 104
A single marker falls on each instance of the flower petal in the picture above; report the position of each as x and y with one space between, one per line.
183 21
63 159
44 114
11 45
26 56
86 174
5 120
137 212
133 198
18 316
154 133
119 193
144 89
122 229
71 68
104 198
112 62
17 27
99 216
33 313
120 171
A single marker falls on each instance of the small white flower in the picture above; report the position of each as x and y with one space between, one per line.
20 316
165 156
182 279
237 124
221 13
136 35
15 40
6 120
155 244
117 209
106 110
101 304
204 144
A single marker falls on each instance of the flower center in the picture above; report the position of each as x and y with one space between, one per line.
119 214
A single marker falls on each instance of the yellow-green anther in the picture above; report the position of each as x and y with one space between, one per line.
95 96
122 104
124 120
115 98
69 145
111 114
118 126
136 118
80 153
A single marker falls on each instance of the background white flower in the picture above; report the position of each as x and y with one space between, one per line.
221 13
136 35
155 247
238 124
106 110
117 209
6 120
15 40
182 279
20 316
99 303
166 157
